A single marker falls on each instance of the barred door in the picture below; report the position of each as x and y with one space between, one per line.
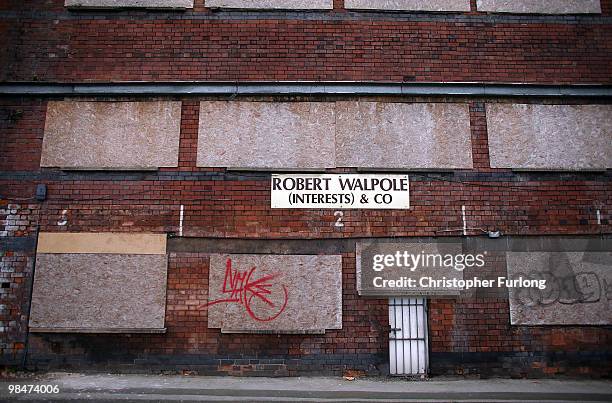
408 336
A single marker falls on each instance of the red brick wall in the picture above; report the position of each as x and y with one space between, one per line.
364 333
219 203
58 5
79 48
17 221
219 207
45 42
16 271
467 335
22 125
472 334
236 205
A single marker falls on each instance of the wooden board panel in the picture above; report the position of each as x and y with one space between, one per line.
111 135
99 293
275 293
94 242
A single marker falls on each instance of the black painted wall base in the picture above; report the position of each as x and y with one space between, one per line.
481 365
324 364
523 364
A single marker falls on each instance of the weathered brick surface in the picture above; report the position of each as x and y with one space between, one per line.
15 274
79 47
235 204
482 341
22 127
58 5
220 207
472 334
190 345
18 221
469 335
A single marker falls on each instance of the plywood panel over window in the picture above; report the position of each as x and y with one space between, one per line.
179 4
111 135
576 288
318 135
99 283
271 4
540 6
550 137
409 5
403 135
271 135
275 293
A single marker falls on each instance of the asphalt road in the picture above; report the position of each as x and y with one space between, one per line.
176 388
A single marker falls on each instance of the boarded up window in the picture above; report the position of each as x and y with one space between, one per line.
179 4
275 293
540 6
318 135
577 288
271 4
274 135
402 135
550 137
111 135
408 5
99 283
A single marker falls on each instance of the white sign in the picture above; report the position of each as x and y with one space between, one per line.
341 191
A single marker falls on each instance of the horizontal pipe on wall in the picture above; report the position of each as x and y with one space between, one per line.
305 88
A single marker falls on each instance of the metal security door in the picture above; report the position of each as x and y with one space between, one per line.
408 336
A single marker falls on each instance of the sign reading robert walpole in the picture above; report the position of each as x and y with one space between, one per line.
341 191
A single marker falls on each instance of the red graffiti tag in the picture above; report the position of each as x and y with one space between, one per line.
243 288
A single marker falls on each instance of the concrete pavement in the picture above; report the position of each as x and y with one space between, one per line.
176 388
